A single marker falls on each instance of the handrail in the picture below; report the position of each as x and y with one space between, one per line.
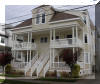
41 65
24 45
29 65
36 64
66 42
46 68
19 65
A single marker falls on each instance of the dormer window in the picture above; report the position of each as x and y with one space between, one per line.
40 17
43 18
84 19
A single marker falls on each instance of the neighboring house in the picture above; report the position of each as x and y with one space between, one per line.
3 38
39 41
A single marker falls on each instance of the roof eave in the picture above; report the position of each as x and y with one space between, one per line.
66 20
21 27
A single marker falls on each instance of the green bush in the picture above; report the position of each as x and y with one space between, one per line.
75 71
8 69
64 74
51 74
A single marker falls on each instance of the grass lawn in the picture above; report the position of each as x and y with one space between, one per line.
11 75
16 82
2 80
58 79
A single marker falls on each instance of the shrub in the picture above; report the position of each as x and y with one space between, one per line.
17 72
64 74
8 69
51 74
75 70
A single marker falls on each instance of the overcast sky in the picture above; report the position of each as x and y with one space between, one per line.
12 11
15 8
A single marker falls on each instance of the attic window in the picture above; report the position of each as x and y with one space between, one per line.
85 38
38 19
43 18
84 19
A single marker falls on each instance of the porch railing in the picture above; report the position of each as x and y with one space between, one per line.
61 65
68 42
19 65
24 45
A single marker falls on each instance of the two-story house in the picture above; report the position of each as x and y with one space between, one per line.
39 41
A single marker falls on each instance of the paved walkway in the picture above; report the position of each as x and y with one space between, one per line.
81 81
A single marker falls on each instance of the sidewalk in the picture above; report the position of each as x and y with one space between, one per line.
3 77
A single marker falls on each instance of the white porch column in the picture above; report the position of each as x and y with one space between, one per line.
21 56
50 47
53 48
27 47
76 33
54 34
30 46
28 37
53 56
73 40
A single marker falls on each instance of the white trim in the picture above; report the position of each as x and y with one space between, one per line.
40 20
21 28
56 27
65 20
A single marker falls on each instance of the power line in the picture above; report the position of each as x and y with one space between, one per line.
32 13
50 14
27 14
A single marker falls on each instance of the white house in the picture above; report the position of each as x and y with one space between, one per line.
39 41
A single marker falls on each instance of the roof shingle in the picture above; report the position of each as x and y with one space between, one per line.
62 16
25 23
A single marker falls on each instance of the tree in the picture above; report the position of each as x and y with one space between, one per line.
69 57
5 58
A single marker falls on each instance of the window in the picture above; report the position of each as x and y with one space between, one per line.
43 39
84 19
2 40
43 18
40 18
37 19
18 56
69 39
32 40
69 36
86 58
85 38
57 37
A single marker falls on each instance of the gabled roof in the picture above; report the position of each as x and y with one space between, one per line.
56 16
41 6
62 16
25 23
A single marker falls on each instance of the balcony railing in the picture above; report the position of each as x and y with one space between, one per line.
68 42
19 65
60 65
24 46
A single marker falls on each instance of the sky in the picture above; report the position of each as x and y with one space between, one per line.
14 8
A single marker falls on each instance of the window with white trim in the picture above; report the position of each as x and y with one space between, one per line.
43 17
2 40
44 40
86 57
85 38
40 17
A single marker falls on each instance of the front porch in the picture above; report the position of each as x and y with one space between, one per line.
45 43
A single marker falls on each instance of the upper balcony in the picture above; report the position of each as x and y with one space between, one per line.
24 46
64 43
